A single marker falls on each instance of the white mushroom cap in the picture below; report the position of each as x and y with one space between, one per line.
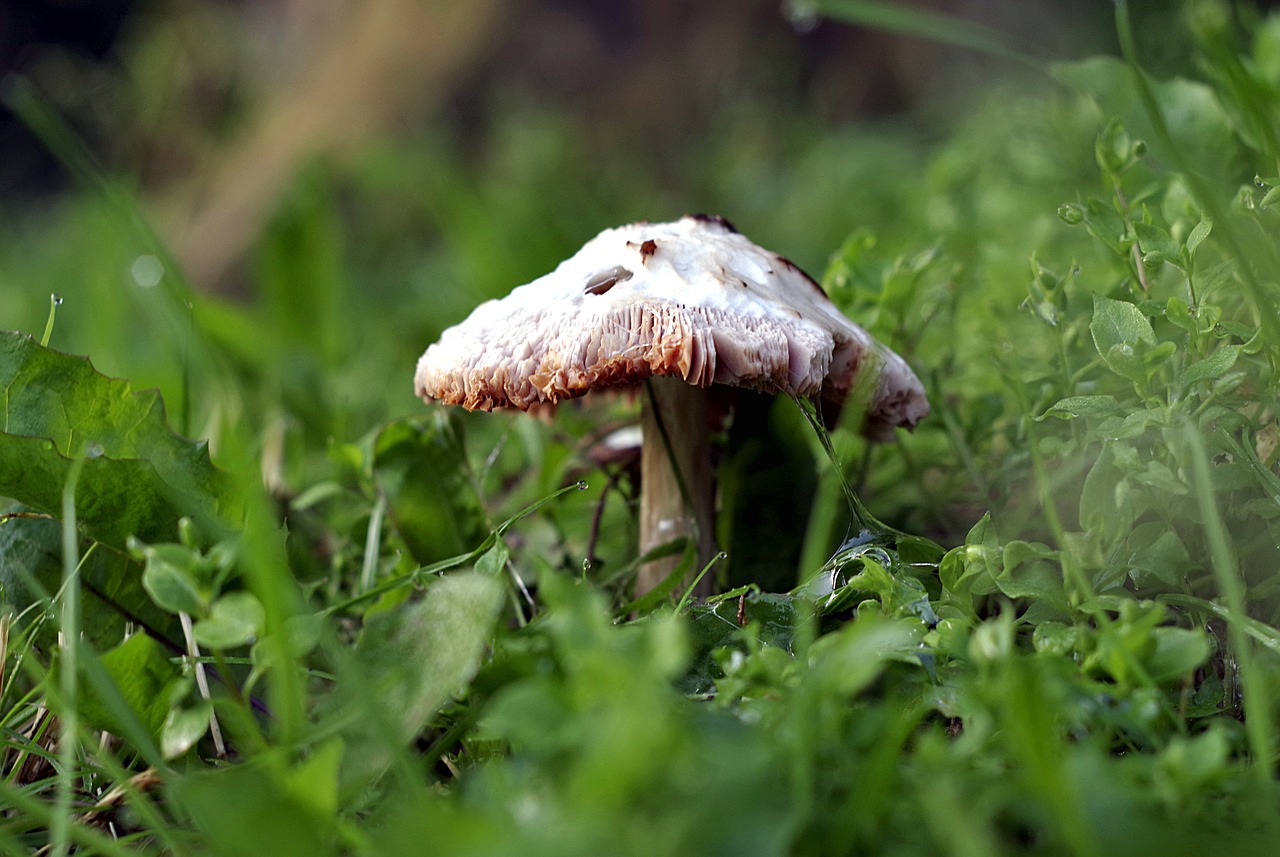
695 299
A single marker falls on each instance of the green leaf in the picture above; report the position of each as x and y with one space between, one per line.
143 676
1120 330
138 477
248 810
1106 225
1153 239
235 620
183 727
1197 123
409 661
1197 236
1118 323
1082 406
1157 556
494 561
113 596
1214 366
1178 312
421 467
170 579
1178 651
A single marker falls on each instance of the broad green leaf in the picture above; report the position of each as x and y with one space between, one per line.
112 595
138 477
1056 638
846 662
314 782
494 561
236 619
249 809
1118 323
1102 507
1157 556
1154 239
1120 331
1178 651
183 727
171 581
409 661
143 676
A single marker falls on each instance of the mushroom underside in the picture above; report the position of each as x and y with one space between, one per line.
507 365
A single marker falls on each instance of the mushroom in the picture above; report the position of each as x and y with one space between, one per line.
679 306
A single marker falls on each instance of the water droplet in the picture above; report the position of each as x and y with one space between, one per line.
147 271
722 555
56 298
582 485
1258 181
1075 270
802 15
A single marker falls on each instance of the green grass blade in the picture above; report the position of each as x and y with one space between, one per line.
1258 698
918 23
68 744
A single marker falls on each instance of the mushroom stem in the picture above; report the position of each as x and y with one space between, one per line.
674 419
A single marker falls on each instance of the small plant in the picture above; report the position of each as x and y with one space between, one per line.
371 632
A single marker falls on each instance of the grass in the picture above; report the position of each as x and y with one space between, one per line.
1069 646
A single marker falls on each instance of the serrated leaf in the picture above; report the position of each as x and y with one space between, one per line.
31 569
138 477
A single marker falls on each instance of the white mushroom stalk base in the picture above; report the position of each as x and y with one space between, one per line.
664 514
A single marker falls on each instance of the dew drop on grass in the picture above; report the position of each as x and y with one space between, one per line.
581 485
147 271
56 298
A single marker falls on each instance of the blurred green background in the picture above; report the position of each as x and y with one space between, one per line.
269 209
